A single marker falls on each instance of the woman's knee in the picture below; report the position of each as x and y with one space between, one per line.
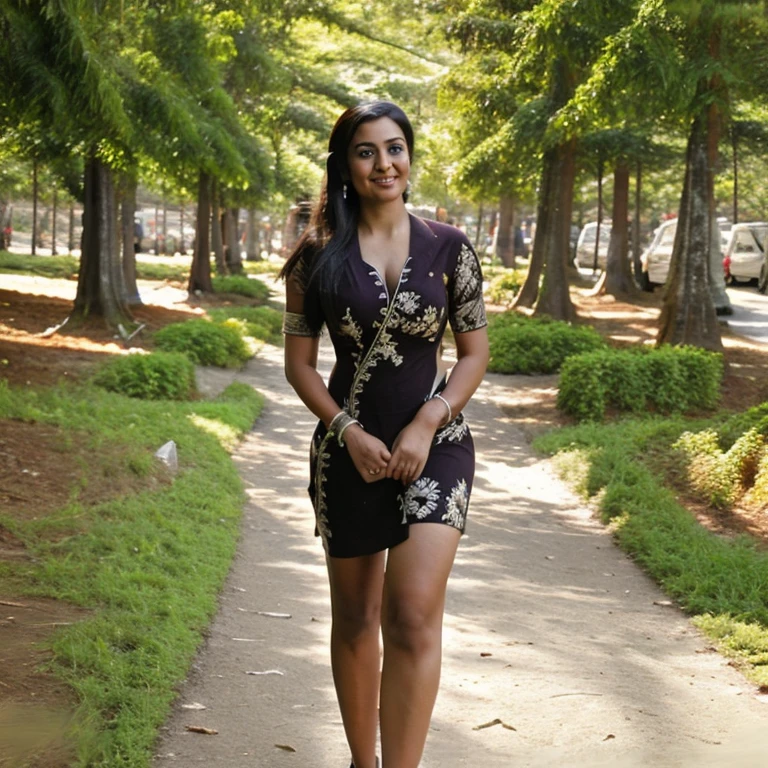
353 623
413 624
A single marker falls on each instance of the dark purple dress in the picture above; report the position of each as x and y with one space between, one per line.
387 350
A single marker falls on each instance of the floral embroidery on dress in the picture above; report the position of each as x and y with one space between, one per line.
420 499
321 456
454 431
467 308
457 505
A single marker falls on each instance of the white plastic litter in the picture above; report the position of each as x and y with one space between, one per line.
167 454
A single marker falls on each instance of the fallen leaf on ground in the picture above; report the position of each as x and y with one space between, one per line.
194 705
485 654
13 605
663 602
609 737
273 615
286 747
201 729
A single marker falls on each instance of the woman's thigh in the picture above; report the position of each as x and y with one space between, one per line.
356 590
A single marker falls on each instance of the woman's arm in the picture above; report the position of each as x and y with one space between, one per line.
411 449
301 353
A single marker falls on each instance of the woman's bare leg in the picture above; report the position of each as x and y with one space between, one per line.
412 623
356 593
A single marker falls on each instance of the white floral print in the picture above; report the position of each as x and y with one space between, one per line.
420 499
458 501
454 431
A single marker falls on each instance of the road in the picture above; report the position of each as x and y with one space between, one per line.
750 313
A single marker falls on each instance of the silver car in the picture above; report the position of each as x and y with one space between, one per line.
585 247
656 257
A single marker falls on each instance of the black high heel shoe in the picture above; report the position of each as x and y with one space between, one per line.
352 765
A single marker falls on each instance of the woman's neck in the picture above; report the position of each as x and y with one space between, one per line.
385 220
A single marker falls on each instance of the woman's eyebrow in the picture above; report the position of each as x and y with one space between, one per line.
372 144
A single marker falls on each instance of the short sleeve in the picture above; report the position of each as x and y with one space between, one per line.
294 321
465 295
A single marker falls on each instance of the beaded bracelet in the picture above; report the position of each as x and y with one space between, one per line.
438 396
340 422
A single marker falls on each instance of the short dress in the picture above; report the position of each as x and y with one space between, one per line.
387 352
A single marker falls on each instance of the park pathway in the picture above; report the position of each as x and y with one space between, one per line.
549 629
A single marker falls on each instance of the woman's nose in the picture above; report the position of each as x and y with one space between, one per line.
382 161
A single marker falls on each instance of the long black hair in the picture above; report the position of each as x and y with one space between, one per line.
323 249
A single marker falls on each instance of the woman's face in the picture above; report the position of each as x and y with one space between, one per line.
378 161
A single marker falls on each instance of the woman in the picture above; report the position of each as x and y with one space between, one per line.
392 451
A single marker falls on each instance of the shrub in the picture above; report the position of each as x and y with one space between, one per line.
205 343
504 287
718 476
521 344
264 323
242 286
667 380
157 376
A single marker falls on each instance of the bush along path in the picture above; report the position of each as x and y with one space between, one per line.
559 651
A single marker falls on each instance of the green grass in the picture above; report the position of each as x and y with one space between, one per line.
721 581
251 287
149 565
45 266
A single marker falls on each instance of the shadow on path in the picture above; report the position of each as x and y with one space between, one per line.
549 628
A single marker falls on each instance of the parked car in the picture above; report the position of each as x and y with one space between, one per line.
656 257
585 247
745 252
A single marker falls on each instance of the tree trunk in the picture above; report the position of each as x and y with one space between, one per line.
636 230
35 194
100 287
529 291
53 221
618 269
217 241
688 313
200 272
233 255
157 230
165 227
554 297
479 229
128 215
505 237
735 175
182 238
252 252
71 237
720 297
600 169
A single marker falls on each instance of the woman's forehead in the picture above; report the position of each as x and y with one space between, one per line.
380 130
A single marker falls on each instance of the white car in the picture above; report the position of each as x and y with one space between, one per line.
745 252
585 247
656 257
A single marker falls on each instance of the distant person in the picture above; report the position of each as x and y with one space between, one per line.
392 459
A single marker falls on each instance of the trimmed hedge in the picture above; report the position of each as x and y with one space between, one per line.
157 376
205 343
666 380
522 344
242 286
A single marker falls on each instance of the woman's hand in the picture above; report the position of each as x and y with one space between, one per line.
410 452
369 455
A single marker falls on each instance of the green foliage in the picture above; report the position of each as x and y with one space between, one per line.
157 376
204 342
504 287
263 323
667 380
521 344
718 476
242 286
148 565
709 575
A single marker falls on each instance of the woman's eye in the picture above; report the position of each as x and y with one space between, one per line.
395 149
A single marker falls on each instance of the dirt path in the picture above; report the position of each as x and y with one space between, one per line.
549 627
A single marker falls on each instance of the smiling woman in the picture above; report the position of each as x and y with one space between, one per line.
391 450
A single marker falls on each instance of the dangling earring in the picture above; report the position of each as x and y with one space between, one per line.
344 190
